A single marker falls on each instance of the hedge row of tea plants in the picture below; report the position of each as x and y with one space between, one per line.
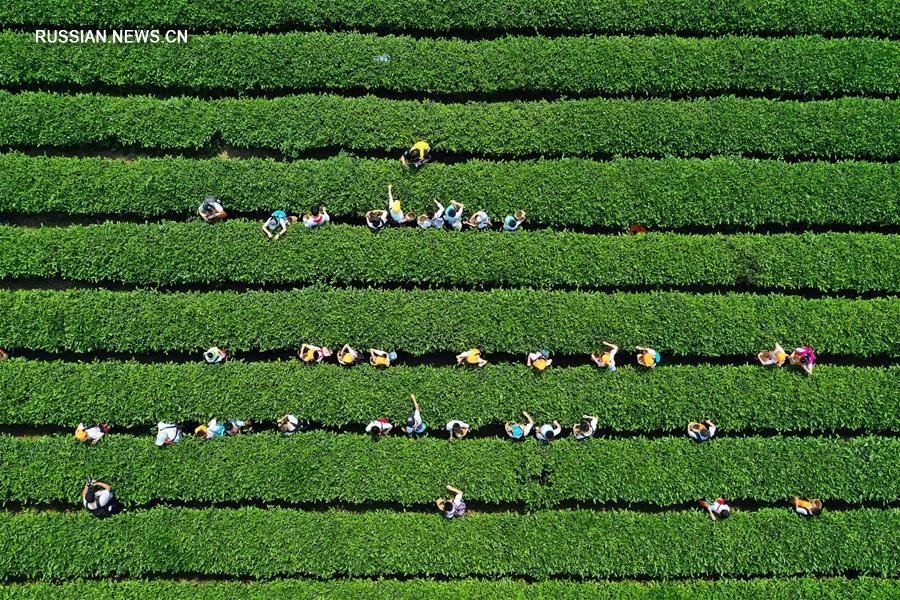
878 17
191 253
320 466
736 398
423 321
669 192
873 588
657 65
842 128
274 542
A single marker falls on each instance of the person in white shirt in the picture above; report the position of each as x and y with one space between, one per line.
586 428
396 211
376 219
414 422
700 432
607 359
452 507
457 428
453 215
288 425
167 434
718 509
98 499
90 434
313 354
347 356
379 428
547 432
434 218
479 220
316 216
211 210
215 355
539 360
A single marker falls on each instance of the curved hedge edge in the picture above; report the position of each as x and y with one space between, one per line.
279 542
842 128
237 251
423 321
668 192
324 467
878 17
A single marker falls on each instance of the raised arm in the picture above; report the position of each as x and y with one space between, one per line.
612 347
414 401
527 416
266 231
390 195
454 490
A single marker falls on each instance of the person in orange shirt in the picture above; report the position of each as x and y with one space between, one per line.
648 357
807 508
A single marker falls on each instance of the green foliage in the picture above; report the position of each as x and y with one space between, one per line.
842 128
806 588
324 467
274 542
736 398
597 65
705 16
669 192
237 251
421 321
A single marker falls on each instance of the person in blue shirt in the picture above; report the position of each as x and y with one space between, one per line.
513 222
278 221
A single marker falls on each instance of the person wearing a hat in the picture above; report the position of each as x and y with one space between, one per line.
648 357
539 360
453 215
718 509
700 432
316 216
518 431
379 427
418 155
514 221
607 359
380 358
277 221
414 422
211 210
347 356
479 220
167 434
313 354
773 357
807 508
92 434
586 428
548 432
471 357
215 355
396 211
434 218
376 219
235 426
803 357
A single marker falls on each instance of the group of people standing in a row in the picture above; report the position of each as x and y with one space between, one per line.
211 209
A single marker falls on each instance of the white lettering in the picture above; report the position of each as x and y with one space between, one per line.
40 36
178 36
142 35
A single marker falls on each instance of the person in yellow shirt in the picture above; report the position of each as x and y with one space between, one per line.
347 356
539 360
471 357
313 354
418 155
380 358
